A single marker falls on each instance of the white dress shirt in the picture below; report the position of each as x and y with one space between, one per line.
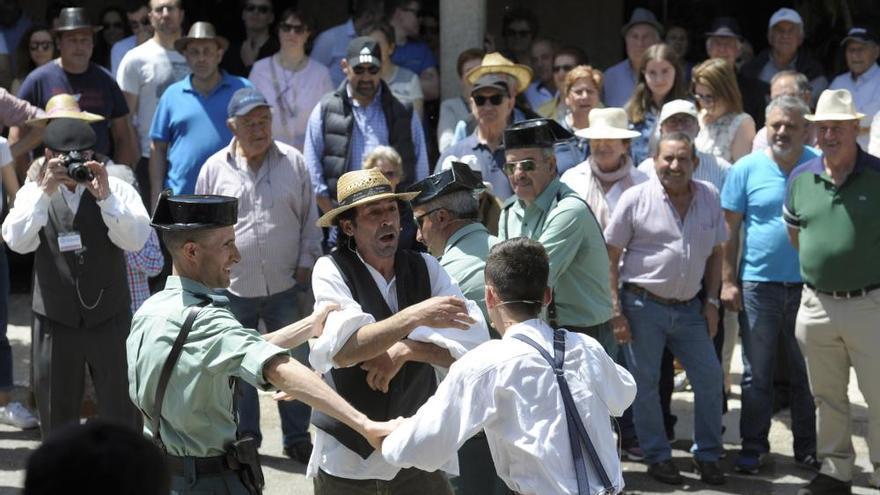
128 224
328 285
865 92
506 388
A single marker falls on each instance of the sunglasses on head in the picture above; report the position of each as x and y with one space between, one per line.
372 69
563 68
262 9
524 165
481 100
296 28
41 45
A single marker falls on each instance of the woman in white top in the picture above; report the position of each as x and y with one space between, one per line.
725 130
404 83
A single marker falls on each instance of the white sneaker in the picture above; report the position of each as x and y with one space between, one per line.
15 414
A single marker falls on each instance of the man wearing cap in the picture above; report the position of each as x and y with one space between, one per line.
548 211
785 34
186 396
362 114
78 231
494 86
190 121
829 210
861 47
146 71
277 239
639 33
787 83
400 313
74 73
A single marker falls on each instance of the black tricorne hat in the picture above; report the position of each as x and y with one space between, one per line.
535 133
67 134
459 177
194 212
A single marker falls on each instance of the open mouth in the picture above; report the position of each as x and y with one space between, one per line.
389 237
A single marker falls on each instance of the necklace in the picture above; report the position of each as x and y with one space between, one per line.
286 103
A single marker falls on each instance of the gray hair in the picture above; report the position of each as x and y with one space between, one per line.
386 153
800 80
462 204
676 136
788 104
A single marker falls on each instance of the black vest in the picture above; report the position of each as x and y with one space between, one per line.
98 270
413 384
338 122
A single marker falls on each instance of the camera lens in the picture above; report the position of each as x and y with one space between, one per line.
79 172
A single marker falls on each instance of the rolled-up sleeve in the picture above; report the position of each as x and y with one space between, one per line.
21 229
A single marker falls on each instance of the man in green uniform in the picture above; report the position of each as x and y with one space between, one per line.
545 210
194 418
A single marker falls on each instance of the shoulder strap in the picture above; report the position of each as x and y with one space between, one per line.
577 433
170 362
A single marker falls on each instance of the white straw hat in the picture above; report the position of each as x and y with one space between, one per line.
607 123
835 104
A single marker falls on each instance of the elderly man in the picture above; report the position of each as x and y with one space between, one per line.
862 80
766 286
277 238
401 315
829 209
639 33
494 86
787 83
190 121
543 88
664 239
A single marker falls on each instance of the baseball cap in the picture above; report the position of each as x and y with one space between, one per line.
495 81
66 134
862 35
785 15
364 50
726 27
675 107
244 100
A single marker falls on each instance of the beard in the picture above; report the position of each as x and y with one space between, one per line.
366 89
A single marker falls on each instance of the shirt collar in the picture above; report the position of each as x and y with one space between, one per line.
232 159
355 104
462 233
546 197
188 285
224 81
867 75
530 328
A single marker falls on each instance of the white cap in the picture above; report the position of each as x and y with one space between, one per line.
675 107
785 15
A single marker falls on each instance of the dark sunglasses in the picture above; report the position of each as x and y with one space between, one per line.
481 100
262 9
359 70
524 165
41 45
296 28
420 219
563 68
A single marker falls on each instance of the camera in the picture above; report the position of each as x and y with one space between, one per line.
75 162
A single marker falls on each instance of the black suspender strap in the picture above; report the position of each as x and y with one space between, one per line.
577 433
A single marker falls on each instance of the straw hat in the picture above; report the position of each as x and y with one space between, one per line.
494 63
359 188
201 31
607 123
835 104
64 106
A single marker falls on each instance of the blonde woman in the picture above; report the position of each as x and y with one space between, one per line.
725 130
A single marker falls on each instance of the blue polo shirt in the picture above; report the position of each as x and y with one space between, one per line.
755 188
194 126
470 150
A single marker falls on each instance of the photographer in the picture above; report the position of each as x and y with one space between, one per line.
78 221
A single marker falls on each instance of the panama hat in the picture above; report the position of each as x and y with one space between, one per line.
201 31
359 188
494 63
835 104
64 106
607 123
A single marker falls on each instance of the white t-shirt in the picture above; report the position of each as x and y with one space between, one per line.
405 85
146 71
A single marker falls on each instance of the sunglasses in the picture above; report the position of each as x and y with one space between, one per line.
563 68
41 45
524 165
262 9
495 100
360 69
296 28
420 219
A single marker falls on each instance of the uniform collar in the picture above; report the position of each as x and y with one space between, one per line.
195 288
545 199
462 233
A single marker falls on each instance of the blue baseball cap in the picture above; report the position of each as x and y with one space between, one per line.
244 100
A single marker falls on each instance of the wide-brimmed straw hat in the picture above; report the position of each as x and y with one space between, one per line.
73 18
201 31
359 188
494 63
64 106
607 123
835 104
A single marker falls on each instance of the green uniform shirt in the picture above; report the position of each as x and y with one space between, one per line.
579 267
197 416
464 259
838 227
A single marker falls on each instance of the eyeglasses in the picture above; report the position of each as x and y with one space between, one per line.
359 70
495 100
41 45
261 9
136 24
704 98
296 28
563 68
518 33
113 25
420 219
524 165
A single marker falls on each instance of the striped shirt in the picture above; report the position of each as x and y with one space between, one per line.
276 231
712 169
140 266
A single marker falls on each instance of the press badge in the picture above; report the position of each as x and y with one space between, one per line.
69 241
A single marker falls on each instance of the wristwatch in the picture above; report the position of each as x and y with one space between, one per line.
714 301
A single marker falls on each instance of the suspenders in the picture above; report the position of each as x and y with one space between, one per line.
577 433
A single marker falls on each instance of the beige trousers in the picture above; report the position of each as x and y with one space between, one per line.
835 334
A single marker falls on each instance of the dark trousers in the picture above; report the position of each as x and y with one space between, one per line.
60 356
142 174
190 483
476 470
407 482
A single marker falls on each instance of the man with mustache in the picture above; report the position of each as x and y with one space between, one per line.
668 233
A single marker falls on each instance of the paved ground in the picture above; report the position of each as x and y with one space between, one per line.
286 476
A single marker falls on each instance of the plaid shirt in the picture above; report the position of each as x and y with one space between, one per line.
140 265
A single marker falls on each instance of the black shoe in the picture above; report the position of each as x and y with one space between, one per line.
808 461
300 452
710 472
826 485
665 472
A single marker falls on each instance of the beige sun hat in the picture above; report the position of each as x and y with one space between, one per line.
201 31
64 106
359 188
835 104
494 63
607 123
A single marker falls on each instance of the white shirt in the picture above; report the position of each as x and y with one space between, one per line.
328 285
712 169
128 224
506 388
866 95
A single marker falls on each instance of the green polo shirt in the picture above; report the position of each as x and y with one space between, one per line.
464 259
197 415
564 225
838 227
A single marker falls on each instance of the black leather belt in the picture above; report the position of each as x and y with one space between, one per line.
203 465
641 291
844 294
